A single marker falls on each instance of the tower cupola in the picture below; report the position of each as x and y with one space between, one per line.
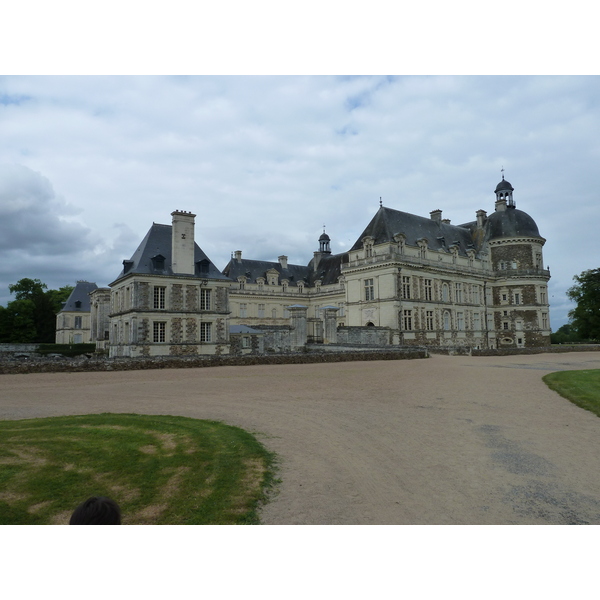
504 194
324 243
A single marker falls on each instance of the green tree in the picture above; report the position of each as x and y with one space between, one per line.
31 317
585 317
565 335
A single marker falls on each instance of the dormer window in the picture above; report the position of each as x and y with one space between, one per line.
368 242
242 282
158 262
78 305
285 284
203 266
261 282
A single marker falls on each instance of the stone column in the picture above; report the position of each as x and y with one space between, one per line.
298 320
330 328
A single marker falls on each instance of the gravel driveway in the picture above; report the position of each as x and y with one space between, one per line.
446 440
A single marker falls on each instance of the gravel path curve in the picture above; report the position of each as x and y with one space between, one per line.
447 440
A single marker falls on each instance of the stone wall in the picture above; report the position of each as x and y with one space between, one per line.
34 365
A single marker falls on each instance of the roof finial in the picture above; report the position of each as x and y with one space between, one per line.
380 202
502 170
323 227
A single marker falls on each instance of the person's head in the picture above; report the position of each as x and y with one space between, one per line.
97 510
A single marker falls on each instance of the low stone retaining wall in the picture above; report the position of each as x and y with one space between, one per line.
58 365
464 351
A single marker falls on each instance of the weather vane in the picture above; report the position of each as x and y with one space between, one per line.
380 201
502 170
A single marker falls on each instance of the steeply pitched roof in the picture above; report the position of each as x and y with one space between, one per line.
252 269
156 244
387 222
79 300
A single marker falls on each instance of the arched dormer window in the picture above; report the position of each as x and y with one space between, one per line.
300 287
261 282
400 240
242 282
368 242
423 243
285 283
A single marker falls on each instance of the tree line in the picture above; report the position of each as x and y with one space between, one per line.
31 316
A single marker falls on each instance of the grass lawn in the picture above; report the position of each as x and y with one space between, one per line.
580 387
159 469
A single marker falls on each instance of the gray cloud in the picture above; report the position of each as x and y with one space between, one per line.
266 161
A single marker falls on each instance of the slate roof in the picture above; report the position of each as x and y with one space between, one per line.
158 243
79 294
504 185
252 269
329 268
387 222
511 223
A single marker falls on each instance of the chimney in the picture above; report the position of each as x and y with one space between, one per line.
238 256
283 261
436 215
501 204
481 218
182 242
446 221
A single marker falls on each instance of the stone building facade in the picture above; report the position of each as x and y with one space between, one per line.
169 299
73 322
407 281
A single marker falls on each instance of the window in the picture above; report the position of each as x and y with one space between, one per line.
261 283
243 310
517 298
428 288
476 321
245 342
460 321
458 292
274 313
542 295
369 290
407 320
205 332
77 323
160 328
300 287
242 281
341 310
405 286
446 320
505 325
544 321
504 297
475 294
159 297
205 296
445 292
261 311
429 320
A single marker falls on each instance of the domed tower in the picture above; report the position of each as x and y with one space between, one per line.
520 282
324 243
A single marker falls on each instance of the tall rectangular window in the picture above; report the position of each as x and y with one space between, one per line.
517 298
243 310
77 322
458 292
429 320
405 286
460 321
205 298
407 320
476 321
261 311
543 296
159 297
475 294
369 290
544 321
160 329
427 288
205 332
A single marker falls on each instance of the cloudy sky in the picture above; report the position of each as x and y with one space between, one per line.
87 163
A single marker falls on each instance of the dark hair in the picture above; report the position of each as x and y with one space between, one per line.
97 510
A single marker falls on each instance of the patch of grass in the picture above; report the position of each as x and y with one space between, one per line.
159 469
580 387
